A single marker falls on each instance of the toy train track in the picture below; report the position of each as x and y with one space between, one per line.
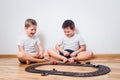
101 70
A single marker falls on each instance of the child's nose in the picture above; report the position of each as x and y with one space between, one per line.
34 31
67 33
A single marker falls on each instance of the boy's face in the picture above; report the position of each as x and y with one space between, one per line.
69 32
31 30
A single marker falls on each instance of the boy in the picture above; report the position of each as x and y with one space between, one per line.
28 44
72 47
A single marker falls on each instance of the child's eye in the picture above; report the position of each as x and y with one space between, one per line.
33 29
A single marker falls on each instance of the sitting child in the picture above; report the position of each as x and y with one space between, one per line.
29 46
72 47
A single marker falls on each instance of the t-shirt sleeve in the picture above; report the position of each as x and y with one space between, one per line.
81 41
60 42
20 42
38 40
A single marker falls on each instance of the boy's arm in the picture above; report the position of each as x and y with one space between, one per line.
40 48
61 50
21 49
82 48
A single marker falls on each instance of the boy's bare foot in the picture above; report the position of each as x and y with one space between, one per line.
47 58
65 60
27 62
72 59
42 60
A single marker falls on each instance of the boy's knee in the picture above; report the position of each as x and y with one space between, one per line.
46 54
91 54
50 50
20 55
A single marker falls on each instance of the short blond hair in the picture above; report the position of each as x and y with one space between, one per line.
30 22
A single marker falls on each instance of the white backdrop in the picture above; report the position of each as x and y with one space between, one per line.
98 21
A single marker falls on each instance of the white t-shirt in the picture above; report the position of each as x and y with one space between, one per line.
29 44
72 43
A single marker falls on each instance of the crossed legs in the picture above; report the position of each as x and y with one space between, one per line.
82 56
26 57
85 55
55 54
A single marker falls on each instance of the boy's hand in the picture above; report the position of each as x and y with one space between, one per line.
66 53
40 55
73 54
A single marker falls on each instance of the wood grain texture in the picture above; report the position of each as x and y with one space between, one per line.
11 69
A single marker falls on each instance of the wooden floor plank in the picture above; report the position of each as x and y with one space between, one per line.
11 69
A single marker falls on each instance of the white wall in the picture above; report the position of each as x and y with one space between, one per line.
98 21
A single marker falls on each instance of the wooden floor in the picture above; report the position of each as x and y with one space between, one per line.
11 69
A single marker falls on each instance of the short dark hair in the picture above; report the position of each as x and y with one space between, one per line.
30 22
68 23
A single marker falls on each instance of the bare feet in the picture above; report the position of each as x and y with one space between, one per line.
65 60
27 62
42 60
72 59
47 58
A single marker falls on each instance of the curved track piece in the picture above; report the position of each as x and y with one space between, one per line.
101 70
